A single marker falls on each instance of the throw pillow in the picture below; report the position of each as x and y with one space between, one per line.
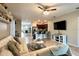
12 47
17 39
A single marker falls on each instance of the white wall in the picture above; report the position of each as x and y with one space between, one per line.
71 31
4 30
78 32
12 28
18 26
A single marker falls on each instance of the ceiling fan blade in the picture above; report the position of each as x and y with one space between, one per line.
41 8
51 10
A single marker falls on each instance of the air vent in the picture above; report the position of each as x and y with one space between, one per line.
77 8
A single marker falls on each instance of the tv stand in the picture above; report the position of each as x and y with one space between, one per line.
60 38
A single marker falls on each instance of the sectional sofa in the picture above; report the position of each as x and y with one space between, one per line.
10 46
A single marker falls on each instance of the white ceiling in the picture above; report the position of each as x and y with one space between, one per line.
30 11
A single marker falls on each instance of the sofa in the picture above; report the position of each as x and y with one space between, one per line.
9 46
6 46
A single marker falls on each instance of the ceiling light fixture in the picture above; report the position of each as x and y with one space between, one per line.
45 12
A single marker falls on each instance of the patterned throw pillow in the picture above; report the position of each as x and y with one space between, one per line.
17 39
12 47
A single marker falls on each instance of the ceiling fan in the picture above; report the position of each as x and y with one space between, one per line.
46 8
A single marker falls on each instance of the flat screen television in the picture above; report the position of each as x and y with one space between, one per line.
61 25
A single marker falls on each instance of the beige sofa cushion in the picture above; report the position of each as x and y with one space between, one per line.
5 52
13 48
4 41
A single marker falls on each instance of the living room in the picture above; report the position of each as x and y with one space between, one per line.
29 22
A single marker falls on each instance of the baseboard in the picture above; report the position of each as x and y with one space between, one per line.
73 45
77 46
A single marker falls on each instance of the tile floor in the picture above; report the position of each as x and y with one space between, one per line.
74 50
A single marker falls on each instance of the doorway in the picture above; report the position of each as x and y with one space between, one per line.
26 31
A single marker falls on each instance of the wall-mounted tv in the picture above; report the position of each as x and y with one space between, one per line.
61 25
